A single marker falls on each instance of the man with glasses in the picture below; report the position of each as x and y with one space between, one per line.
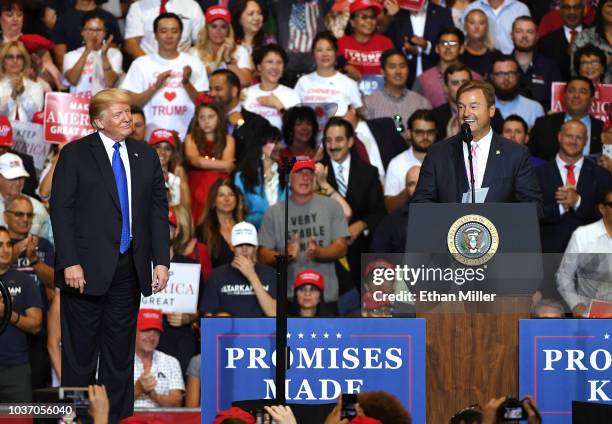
585 272
505 79
556 44
537 72
430 83
12 179
422 134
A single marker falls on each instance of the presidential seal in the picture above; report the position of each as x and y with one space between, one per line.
472 240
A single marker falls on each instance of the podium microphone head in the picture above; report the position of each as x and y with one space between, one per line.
466 133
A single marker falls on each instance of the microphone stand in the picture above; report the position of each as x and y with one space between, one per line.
472 180
282 265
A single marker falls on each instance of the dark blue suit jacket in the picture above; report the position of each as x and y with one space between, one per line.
508 175
556 229
438 18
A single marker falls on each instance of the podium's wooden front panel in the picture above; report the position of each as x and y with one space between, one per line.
471 357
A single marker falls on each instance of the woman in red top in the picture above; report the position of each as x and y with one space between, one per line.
210 151
363 47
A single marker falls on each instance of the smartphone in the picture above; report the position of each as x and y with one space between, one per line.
349 406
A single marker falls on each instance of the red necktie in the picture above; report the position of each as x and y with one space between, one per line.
17 113
162 6
571 177
573 34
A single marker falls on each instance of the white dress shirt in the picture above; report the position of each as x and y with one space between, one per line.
482 156
418 20
567 30
108 145
346 168
563 172
585 272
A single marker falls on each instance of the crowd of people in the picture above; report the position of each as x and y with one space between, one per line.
248 102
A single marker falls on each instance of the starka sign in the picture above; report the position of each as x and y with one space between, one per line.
562 360
327 357
66 117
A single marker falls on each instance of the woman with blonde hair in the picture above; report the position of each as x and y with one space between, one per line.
20 97
479 51
217 49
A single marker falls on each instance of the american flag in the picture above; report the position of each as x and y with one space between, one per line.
303 25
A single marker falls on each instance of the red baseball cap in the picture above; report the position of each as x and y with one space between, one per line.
172 217
6 132
234 412
358 5
303 163
150 319
38 118
309 277
35 42
218 12
161 135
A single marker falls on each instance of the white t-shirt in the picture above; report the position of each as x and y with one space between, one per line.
92 77
142 13
395 180
313 88
286 95
241 55
170 107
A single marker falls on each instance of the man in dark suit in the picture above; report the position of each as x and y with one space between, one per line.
556 44
245 126
358 183
501 167
579 93
571 186
420 46
110 221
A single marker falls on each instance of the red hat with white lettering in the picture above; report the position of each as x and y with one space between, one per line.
218 12
6 132
234 412
161 135
309 277
303 162
358 5
150 319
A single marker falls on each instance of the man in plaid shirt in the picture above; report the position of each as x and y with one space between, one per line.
158 380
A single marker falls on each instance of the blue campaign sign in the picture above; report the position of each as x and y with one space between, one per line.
328 357
563 360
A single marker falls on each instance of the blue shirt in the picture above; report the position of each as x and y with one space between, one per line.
529 110
255 201
500 23
586 120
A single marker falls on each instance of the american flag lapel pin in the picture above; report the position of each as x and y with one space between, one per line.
497 152
136 154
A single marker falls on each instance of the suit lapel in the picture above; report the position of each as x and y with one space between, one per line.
460 171
331 177
134 160
596 129
493 161
105 167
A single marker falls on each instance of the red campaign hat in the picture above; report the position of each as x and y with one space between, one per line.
309 277
341 5
303 163
150 319
172 217
6 132
204 99
161 135
234 412
364 420
358 5
38 118
218 12
35 42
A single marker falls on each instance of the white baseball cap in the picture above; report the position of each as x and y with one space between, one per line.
244 233
11 166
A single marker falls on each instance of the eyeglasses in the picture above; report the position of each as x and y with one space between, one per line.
19 214
590 63
421 133
14 57
449 43
505 74
368 17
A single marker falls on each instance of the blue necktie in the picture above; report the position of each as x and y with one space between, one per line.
122 190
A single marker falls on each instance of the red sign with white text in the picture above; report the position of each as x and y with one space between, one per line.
414 5
603 96
66 117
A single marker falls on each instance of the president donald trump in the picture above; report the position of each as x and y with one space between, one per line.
110 221
502 171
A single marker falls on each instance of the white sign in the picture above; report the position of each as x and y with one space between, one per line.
28 139
181 293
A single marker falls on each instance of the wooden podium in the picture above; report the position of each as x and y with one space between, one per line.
472 350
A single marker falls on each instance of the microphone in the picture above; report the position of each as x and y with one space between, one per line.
466 137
